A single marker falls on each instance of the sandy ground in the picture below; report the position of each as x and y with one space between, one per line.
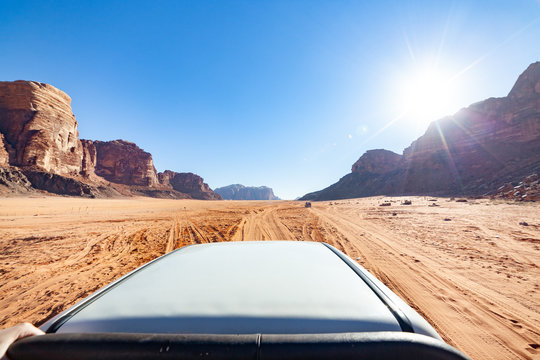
469 267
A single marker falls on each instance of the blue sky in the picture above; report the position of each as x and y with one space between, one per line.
287 94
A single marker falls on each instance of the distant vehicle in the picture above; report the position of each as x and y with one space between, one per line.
241 300
308 204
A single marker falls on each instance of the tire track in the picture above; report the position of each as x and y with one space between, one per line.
464 276
172 237
417 281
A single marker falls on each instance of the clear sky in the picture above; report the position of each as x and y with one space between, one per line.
287 94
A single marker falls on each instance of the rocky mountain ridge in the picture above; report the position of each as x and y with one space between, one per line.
470 153
241 192
40 149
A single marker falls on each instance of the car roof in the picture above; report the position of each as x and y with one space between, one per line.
280 287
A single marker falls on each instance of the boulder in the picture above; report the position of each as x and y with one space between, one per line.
13 181
526 190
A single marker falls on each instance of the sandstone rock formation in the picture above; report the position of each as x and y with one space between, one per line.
5 151
188 183
120 162
37 123
89 158
377 162
40 148
241 192
368 178
470 153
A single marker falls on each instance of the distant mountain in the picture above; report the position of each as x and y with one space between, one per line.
472 152
241 192
40 149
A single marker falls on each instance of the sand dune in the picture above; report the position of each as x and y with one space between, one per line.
469 267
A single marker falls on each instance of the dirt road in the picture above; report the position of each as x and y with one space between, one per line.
468 267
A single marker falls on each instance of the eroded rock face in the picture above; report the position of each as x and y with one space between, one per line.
377 162
40 148
5 151
188 183
120 162
526 90
89 158
38 124
471 153
480 147
241 192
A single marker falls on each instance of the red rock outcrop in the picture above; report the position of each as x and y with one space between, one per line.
120 161
188 183
89 158
482 146
37 123
470 153
378 161
376 172
39 142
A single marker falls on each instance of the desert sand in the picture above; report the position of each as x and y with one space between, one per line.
469 268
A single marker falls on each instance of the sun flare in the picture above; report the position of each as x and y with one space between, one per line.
427 96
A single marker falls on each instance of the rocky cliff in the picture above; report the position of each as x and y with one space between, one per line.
241 192
40 149
377 162
39 128
120 162
188 183
470 153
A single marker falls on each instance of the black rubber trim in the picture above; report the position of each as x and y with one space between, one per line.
343 346
400 316
356 346
90 299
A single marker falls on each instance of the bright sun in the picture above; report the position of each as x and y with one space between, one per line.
427 96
